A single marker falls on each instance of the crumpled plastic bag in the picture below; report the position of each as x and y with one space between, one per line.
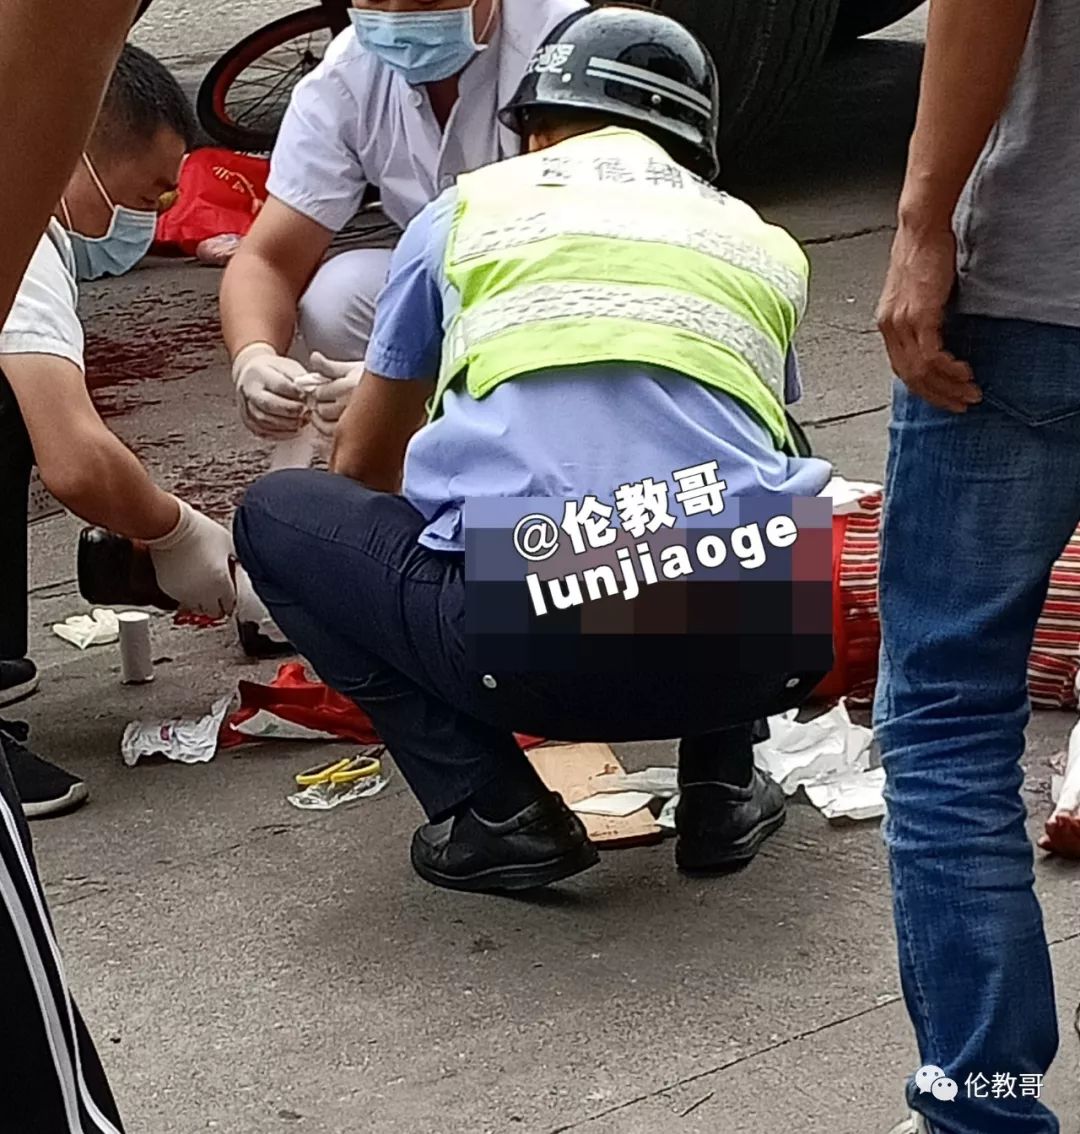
100 627
192 741
325 797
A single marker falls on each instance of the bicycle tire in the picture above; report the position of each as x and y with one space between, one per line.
211 101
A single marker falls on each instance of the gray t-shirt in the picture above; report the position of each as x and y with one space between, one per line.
1018 222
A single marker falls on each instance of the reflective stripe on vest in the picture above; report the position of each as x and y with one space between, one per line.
601 249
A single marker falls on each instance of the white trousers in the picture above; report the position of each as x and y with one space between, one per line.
335 317
337 312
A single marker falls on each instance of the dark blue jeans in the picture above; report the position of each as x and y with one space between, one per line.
381 619
978 507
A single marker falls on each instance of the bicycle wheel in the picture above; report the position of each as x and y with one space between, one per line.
245 94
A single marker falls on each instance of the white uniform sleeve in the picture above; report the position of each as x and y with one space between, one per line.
44 318
315 168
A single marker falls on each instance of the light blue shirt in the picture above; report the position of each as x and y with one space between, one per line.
564 433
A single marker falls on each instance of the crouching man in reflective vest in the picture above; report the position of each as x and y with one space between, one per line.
588 315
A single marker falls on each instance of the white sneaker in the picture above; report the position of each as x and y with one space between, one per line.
913 1124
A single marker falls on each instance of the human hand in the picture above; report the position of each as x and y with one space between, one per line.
331 398
911 315
192 564
268 394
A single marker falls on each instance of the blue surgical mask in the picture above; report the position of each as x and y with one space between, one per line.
423 46
128 239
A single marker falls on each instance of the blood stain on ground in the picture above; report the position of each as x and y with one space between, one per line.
121 364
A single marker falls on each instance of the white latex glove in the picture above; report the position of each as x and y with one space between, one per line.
267 392
192 563
329 400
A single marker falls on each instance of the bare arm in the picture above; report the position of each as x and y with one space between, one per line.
375 430
973 51
55 61
82 463
265 279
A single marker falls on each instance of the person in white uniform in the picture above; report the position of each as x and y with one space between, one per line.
405 101
47 417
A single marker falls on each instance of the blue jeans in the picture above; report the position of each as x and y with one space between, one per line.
978 507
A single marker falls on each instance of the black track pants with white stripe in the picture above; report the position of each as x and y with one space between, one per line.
51 1080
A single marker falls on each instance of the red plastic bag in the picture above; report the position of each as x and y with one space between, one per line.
219 192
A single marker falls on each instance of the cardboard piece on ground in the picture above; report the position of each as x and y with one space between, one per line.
570 770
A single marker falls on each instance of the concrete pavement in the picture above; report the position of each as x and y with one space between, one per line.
250 969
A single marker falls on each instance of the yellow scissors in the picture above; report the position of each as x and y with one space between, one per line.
348 771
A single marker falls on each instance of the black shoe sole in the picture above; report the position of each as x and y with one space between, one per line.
74 797
512 878
726 858
15 693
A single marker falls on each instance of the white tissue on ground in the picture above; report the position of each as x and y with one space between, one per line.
828 757
193 741
855 796
813 752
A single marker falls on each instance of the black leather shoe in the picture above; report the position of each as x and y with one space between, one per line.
722 827
542 844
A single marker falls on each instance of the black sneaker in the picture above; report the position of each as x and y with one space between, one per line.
18 679
721 827
44 789
545 843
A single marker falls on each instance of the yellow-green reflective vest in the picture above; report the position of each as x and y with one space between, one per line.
602 249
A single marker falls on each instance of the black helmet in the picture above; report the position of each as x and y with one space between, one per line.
636 66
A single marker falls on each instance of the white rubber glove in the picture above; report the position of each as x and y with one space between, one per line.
270 400
328 401
192 563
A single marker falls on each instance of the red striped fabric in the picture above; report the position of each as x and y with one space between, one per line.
1055 656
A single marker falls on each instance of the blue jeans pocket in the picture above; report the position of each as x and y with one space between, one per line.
1030 371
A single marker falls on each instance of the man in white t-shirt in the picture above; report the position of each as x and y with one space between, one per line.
46 415
406 100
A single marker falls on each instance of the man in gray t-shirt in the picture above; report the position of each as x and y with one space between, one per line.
981 318
1017 220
